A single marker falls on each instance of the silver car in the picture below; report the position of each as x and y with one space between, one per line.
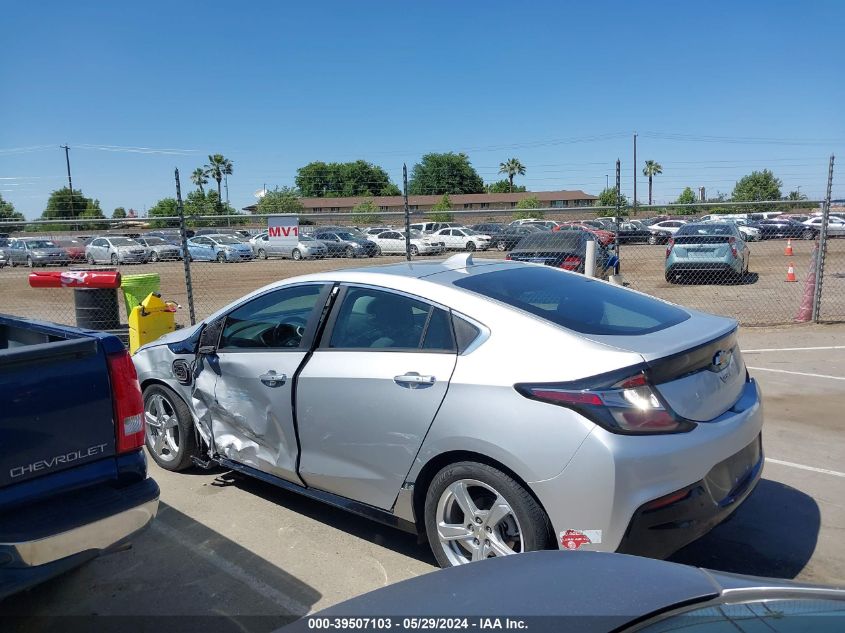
160 250
496 407
115 250
307 248
36 251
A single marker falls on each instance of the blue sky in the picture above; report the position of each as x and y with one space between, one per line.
562 86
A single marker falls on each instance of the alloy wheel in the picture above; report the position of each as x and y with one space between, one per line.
475 522
162 428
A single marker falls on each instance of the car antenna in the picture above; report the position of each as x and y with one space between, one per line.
459 261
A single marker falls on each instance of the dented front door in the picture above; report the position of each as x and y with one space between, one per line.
262 345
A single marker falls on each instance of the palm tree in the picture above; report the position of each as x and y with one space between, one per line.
651 169
198 177
512 167
218 166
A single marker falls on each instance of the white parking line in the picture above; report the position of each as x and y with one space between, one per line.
790 349
797 373
812 469
210 556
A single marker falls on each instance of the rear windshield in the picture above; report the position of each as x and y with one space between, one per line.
706 229
123 241
574 301
560 241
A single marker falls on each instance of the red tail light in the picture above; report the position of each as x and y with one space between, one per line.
669 246
507 256
629 406
732 242
570 262
128 403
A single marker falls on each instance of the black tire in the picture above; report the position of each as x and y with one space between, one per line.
501 245
185 428
414 250
670 277
115 260
30 263
470 246
262 254
808 234
221 257
296 254
349 252
153 256
536 531
652 239
90 259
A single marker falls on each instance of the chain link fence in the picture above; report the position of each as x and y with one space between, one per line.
763 278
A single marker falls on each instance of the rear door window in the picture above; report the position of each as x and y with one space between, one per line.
575 302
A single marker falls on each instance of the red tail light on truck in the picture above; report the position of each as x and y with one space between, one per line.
669 246
128 403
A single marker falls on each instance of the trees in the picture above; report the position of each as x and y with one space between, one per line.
166 207
687 196
438 174
334 180
198 176
65 204
758 185
119 213
527 208
607 198
795 195
217 167
284 200
503 186
652 168
365 213
7 214
441 210
512 167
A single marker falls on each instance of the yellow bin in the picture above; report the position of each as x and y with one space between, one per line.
150 320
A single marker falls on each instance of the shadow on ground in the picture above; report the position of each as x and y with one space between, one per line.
773 534
366 529
178 575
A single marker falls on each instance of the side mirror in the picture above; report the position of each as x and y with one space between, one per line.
210 337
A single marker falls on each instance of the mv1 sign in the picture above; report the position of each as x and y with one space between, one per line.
283 230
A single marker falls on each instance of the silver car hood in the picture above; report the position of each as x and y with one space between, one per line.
48 251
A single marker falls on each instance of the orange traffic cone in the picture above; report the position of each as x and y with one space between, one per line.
788 251
790 273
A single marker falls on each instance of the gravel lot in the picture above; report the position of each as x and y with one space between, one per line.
762 298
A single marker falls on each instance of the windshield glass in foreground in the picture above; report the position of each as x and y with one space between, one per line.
574 301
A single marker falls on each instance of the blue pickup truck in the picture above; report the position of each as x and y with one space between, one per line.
73 475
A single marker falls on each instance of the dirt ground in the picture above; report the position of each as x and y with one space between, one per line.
763 297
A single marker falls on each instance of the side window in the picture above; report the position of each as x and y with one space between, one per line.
375 319
276 320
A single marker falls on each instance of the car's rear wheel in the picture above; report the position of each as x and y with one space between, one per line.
114 259
500 245
414 250
170 437
652 239
808 234
221 257
296 254
350 252
474 511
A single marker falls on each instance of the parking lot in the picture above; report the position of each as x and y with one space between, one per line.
227 546
763 297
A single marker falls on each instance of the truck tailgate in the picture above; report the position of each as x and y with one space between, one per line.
56 407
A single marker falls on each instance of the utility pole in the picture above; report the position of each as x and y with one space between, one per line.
407 212
634 213
817 295
226 184
69 181
618 211
186 258
607 181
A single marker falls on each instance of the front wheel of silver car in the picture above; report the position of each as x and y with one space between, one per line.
170 435
474 511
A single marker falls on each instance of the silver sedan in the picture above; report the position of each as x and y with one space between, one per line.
307 248
495 407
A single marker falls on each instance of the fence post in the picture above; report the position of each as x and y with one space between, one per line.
817 297
407 212
186 258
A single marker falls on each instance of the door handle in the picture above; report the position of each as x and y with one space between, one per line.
272 379
413 380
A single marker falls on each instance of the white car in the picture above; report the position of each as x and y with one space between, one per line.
835 226
462 239
749 233
391 242
671 226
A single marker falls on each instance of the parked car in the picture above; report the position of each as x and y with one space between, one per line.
3 258
462 239
220 248
375 230
546 225
509 236
115 250
393 242
5 247
73 475
36 251
158 249
342 243
566 249
496 407
488 228
358 233
602 235
786 228
706 250
750 230
835 226
240 234
633 232
172 237
604 592
74 247
432 227
664 229
307 248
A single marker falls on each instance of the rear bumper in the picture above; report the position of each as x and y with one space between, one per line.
659 532
692 265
